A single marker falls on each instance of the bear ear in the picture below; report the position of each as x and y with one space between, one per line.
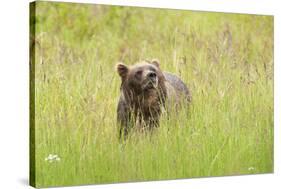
155 62
122 70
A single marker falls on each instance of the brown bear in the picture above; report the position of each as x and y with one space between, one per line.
145 91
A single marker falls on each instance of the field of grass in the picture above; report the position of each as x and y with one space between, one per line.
226 60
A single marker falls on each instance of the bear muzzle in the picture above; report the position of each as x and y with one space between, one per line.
151 80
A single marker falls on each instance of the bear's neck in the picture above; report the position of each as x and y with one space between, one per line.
146 103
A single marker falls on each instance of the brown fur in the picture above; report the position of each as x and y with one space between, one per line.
144 91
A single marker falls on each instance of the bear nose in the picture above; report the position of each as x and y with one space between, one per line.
151 75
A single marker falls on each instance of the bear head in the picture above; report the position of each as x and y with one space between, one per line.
142 77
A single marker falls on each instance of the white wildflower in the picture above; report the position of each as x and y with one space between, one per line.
251 168
52 158
55 156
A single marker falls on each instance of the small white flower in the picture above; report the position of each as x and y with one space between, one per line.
52 158
55 156
251 168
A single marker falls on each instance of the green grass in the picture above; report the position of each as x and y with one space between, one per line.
226 60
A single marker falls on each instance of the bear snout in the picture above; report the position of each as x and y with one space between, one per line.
151 75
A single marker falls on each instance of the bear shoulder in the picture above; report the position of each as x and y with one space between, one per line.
176 87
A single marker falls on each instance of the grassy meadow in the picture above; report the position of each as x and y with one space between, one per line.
225 59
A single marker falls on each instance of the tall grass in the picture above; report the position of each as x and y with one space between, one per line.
226 60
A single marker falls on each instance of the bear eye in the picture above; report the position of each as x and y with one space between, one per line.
152 69
138 73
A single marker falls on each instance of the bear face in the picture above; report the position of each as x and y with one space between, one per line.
141 78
